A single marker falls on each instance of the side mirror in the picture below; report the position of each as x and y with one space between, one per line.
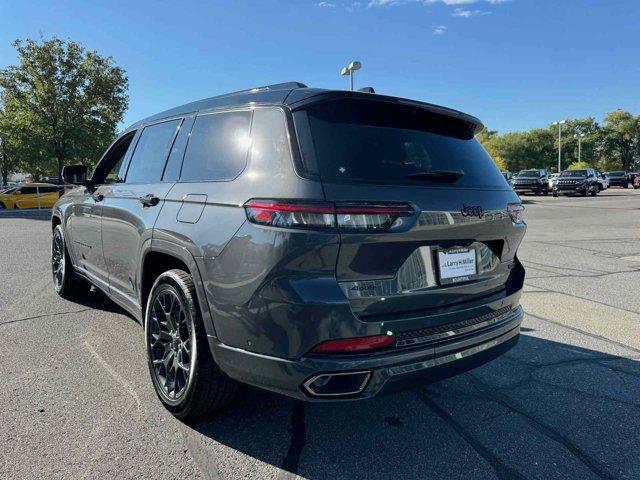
75 174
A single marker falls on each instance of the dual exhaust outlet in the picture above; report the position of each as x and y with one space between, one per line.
337 384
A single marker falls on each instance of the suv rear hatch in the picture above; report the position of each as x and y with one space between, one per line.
435 229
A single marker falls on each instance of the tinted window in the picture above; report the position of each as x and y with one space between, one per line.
218 147
529 174
151 152
618 174
174 163
376 142
574 173
27 190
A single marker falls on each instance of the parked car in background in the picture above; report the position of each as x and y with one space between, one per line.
631 176
51 179
381 255
603 181
31 195
553 178
636 183
580 182
618 178
508 176
534 181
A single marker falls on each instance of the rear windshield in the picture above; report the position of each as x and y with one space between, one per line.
529 174
617 174
375 142
574 173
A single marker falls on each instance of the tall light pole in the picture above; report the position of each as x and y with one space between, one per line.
560 123
349 69
579 136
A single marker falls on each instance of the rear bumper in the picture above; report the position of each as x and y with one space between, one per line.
389 371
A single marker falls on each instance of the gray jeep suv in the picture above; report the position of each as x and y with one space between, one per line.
326 245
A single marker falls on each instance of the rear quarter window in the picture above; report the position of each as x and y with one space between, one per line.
218 147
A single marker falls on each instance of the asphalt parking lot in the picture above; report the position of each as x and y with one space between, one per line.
77 401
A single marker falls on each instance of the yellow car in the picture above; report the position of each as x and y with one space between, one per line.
31 195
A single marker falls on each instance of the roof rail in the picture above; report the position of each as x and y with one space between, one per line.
275 86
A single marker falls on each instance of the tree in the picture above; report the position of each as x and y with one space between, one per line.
621 138
9 139
68 100
578 166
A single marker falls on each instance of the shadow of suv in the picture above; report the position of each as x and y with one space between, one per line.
326 245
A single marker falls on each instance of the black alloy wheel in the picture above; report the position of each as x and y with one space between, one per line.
172 345
65 281
184 374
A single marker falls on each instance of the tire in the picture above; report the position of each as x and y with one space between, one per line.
537 192
595 191
625 186
2 206
545 192
66 282
555 194
201 389
584 192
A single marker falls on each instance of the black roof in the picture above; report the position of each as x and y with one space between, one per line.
293 94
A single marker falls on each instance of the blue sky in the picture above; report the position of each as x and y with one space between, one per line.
516 64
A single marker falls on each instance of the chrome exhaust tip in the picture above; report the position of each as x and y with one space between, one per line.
337 384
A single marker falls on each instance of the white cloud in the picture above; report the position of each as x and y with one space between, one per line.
392 3
461 12
326 5
440 30
387 3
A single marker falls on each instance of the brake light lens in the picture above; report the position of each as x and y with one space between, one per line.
290 215
344 216
516 211
355 345
371 217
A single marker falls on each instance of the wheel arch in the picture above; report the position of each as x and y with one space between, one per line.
159 256
55 221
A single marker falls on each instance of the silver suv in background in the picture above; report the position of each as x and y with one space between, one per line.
326 245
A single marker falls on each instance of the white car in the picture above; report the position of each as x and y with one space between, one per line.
603 180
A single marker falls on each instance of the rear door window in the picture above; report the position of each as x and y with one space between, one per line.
218 147
151 151
376 142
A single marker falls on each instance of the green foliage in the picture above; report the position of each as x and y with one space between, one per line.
621 138
67 103
614 145
9 140
578 166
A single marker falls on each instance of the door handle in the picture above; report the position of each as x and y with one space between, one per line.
149 200
98 197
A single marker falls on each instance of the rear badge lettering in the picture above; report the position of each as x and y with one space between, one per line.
471 211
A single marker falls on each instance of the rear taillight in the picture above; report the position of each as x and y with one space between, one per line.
516 211
355 345
344 216
283 214
370 217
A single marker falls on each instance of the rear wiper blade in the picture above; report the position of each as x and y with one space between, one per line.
441 176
